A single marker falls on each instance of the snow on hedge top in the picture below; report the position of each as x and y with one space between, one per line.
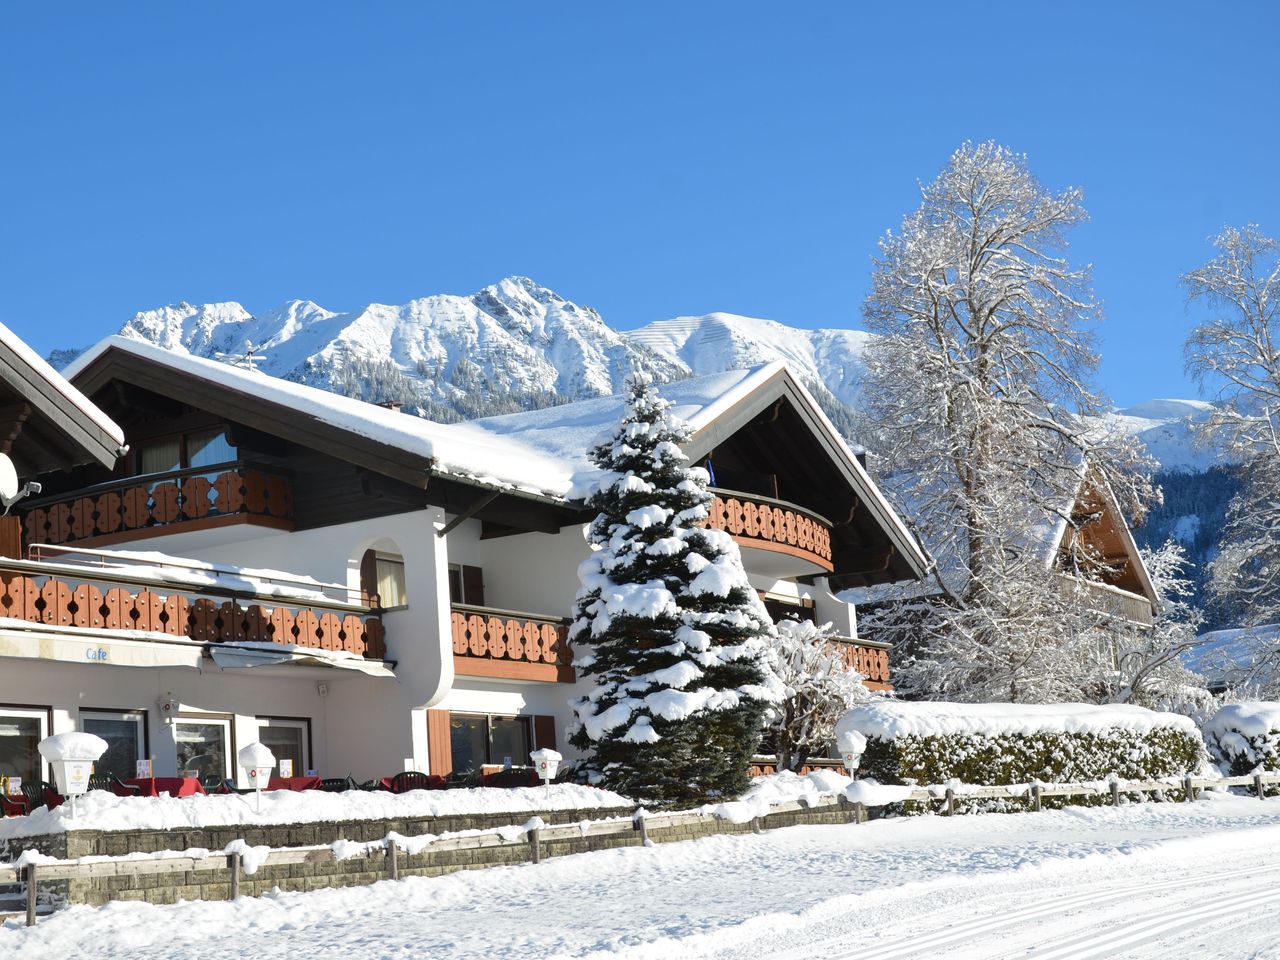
892 719
99 810
72 746
1252 719
537 452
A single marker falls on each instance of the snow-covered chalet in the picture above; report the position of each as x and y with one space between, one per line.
363 590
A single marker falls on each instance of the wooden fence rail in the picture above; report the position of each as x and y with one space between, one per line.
535 832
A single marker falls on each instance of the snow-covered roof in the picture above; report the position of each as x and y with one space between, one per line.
544 453
62 427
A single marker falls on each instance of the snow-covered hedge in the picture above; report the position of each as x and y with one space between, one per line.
1245 737
1002 743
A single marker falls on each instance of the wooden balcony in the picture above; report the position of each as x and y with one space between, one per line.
75 596
509 645
1112 601
134 508
773 525
868 658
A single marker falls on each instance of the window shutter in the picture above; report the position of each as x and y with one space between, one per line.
368 575
544 732
439 743
473 586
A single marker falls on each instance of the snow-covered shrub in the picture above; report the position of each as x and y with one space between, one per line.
666 625
820 688
1245 737
999 743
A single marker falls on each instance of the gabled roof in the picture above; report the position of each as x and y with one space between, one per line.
47 424
542 454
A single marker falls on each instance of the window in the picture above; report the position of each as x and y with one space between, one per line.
125 733
203 448
391 582
210 447
162 456
287 738
204 745
383 574
466 585
21 730
479 740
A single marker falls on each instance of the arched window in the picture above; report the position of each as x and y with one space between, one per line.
382 573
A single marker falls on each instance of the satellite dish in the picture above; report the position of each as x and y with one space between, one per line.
8 478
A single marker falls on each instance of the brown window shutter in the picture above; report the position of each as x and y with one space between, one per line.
544 732
368 575
11 538
439 744
473 586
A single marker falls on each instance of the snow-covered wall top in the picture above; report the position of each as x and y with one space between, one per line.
892 720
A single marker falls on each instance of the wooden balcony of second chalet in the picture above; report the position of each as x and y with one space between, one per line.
149 600
868 658
509 645
777 538
178 501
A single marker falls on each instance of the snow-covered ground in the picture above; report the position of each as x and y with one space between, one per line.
1151 880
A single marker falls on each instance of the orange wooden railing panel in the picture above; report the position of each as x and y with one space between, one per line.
160 502
871 662
56 602
517 639
771 525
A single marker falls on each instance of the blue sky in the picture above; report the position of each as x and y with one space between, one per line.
649 160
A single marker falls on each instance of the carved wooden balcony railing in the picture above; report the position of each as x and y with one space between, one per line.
510 645
867 658
118 509
772 525
64 595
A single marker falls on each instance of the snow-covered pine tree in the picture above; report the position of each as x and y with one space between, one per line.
979 387
666 624
820 688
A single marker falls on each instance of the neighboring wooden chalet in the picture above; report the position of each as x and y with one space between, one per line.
430 567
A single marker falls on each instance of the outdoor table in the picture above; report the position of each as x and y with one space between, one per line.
172 786
293 783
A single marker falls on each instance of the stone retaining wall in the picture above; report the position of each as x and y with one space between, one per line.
216 884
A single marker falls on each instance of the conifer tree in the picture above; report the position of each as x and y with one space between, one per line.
666 624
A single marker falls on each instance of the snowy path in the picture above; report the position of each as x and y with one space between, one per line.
1145 881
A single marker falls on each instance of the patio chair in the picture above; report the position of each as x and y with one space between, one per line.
100 781
338 784
372 786
40 794
122 789
410 780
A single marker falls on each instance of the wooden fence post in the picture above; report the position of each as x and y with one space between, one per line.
1189 788
638 822
535 846
1035 797
1115 793
31 895
233 864
951 802
1257 785
393 860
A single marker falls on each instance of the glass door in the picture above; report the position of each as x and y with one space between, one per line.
126 734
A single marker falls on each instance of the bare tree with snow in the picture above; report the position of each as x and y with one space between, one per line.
1235 353
1147 664
979 385
820 689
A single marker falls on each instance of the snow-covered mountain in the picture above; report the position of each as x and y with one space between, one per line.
513 345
